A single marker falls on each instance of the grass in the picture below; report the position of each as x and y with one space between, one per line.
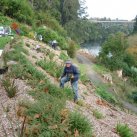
124 131
102 91
63 56
51 67
4 41
97 114
43 117
100 69
80 123
10 87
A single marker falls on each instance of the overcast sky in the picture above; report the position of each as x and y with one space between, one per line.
122 9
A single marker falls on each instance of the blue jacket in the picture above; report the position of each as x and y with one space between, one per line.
71 70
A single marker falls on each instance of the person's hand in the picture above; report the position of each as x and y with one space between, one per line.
72 77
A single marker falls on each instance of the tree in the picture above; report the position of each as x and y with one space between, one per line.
69 10
83 10
135 25
113 51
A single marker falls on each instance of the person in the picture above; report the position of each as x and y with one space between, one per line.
71 74
54 44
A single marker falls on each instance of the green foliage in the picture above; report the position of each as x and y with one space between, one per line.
72 49
135 25
48 20
102 91
10 88
4 41
124 131
63 56
80 123
97 114
19 9
51 67
133 96
84 78
49 35
69 10
113 51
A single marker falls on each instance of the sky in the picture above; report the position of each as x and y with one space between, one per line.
121 9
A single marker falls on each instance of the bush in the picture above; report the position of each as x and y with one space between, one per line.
49 35
19 9
80 123
72 49
124 131
134 96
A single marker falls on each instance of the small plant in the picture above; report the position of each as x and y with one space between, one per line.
10 87
80 123
51 55
84 79
97 114
124 131
63 56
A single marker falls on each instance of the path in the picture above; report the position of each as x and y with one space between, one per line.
97 79
92 75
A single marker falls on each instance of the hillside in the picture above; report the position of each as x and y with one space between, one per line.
41 106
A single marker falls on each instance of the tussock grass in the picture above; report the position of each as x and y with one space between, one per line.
124 131
80 123
97 114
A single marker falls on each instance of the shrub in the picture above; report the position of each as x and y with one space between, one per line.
72 49
49 35
124 131
80 123
10 88
97 114
134 96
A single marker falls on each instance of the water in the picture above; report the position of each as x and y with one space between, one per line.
92 47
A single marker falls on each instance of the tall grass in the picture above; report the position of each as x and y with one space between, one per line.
102 91
124 131
4 41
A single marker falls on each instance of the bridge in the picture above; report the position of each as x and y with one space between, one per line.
107 23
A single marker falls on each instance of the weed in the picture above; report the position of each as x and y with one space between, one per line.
124 131
10 87
97 114
80 123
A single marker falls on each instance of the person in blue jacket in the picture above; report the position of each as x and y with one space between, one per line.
71 74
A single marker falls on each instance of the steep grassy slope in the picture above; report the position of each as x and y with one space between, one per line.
43 108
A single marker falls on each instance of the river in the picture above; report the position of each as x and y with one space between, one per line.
92 47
